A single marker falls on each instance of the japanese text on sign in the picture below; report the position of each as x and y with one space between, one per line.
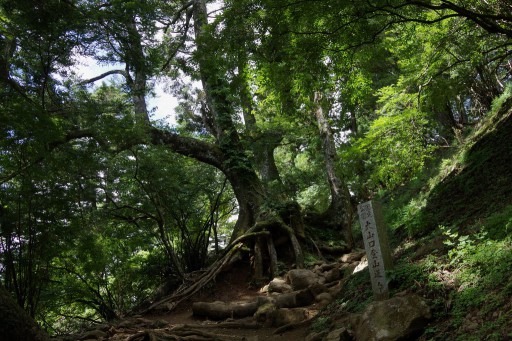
373 249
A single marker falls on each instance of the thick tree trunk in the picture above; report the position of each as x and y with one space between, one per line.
235 164
250 195
228 153
15 323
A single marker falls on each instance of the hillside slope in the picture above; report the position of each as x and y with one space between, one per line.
452 239
481 184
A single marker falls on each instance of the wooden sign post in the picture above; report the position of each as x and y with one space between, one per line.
376 246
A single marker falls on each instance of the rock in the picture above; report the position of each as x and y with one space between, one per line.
294 299
284 316
316 336
363 264
336 289
304 298
317 288
340 334
264 290
316 269
261 300
301 278
324 298
279 285
264 311
332 275
288 300
398 318
352 257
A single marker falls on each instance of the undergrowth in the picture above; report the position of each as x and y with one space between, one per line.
451 229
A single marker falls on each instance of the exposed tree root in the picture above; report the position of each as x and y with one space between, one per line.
222 310
180 333
291 326
227 325
186 291
260 234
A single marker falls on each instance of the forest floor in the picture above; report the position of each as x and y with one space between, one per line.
232 286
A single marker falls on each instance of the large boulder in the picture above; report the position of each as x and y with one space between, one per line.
332 275
399 318
301 278
264 311
294 299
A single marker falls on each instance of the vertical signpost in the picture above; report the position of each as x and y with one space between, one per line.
376 246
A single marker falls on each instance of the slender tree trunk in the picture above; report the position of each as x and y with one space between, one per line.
340 209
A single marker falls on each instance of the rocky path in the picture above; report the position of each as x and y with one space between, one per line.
281 310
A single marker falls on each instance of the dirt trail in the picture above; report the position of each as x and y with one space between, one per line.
284 311
233 286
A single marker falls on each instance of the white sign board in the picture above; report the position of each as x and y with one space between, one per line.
376 246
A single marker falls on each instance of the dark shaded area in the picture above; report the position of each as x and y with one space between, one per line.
15 323
481 187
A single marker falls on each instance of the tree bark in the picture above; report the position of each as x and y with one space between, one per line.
235 164
15 323
339 212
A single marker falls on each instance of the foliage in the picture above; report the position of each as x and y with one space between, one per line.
357 294
320 324
499 225
465 278
482 264
398 146
97 207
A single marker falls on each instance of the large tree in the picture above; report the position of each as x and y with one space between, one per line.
243 154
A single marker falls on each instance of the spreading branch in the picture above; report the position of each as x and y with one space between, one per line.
106 74
187 146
